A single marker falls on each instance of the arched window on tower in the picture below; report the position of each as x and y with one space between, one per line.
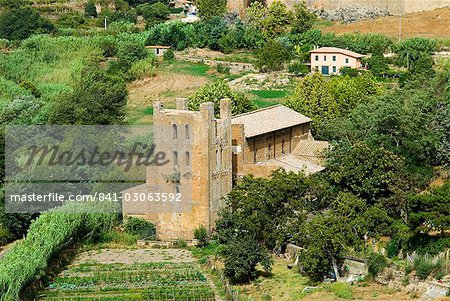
174 131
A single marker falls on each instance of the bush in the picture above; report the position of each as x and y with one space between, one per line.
180 244
90 10
21 23
129 52
242 254
376 263
5 236
142 69
138 226
169 55
201 235
298 68
217 90
425 266
272 56
222 69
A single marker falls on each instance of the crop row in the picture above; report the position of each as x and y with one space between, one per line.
135 278
125 288
192 293
91 267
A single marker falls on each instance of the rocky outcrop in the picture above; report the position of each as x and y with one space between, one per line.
425 290
351 14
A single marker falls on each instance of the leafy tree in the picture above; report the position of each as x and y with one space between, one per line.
411 51
303 19
169 55
242 254
312 98
20 23
208 9
348 92
23 110
272 56
217 90
323 247
129 52
377 64
13 3
71 20
152 13
431 210
368 172
90 10
277 20
272 21
97 98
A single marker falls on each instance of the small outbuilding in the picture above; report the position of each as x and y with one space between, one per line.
158 49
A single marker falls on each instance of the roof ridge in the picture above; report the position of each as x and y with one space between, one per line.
258 110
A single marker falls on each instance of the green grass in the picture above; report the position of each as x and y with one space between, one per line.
342 290
269 94
195 69
264 103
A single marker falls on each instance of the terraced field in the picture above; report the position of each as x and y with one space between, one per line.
142 274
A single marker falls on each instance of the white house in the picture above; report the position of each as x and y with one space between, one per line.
329 60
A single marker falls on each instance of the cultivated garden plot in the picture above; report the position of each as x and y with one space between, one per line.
121 274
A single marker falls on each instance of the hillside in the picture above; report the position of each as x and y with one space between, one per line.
433 24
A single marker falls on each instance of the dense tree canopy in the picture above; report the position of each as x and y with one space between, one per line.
97 98
217 90
20 23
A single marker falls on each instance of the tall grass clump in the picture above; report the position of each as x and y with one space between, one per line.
28 260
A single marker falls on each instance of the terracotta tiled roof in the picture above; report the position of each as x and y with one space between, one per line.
268 120
337 50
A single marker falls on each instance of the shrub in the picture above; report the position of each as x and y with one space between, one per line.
342 290
20 23
142 69
90 10
180 244
349 71
169 55
5 236
201 235
298 68
222 69
424 266
376 263
129 52
217 90
272 56
138 226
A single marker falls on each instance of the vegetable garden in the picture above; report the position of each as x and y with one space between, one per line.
136 281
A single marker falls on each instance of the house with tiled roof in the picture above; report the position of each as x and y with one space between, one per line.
267 139
330 60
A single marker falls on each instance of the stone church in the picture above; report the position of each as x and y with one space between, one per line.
207 152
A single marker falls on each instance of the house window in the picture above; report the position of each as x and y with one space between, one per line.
346 61
334 69
317 68
186 127
325 58
282 147
269 154
175 159
217 159
174 131
188 159
317 57
334 58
